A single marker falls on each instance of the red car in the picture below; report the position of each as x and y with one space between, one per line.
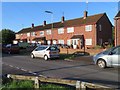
11 48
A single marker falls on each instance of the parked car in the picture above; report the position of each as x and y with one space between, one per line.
46 52
108 58
10 48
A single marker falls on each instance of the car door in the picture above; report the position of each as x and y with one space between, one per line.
38 52
115 56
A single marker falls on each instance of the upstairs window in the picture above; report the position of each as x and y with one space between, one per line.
60 30
32 33
88 28
28 34
48 32
100 27
70 30
41 33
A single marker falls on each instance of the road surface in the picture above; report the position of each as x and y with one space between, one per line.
80 69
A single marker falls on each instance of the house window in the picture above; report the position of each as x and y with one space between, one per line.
68 42
100 27
70 29
32 33
48 32
28 34
41 33
100 41
88 41
48 42
61 41
54 42
60 30
88 28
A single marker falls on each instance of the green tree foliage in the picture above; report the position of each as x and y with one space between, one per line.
7 36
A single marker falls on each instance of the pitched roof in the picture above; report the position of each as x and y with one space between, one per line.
67 23
118 14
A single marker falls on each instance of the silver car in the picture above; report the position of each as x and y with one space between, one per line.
45 51
108 58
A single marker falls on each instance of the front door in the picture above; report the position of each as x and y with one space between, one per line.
75 43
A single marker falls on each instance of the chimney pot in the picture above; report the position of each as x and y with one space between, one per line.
62 19
85 14
44 23
32 25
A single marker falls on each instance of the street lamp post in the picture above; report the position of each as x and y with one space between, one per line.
52 24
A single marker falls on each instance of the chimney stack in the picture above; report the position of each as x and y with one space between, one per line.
32 25
62 19
44 23
85 14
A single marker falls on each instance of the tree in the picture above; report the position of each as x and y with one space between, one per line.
7 36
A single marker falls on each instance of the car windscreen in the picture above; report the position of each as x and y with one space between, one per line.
41 48
106 52
53 48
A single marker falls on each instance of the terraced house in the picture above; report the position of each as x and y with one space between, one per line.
88 30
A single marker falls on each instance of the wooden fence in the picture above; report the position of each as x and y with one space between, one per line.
78 84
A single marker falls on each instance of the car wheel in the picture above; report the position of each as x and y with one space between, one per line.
101 63
32 56
45 57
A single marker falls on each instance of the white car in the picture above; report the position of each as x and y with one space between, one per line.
108 58
46 52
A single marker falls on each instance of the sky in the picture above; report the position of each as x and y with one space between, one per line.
18 15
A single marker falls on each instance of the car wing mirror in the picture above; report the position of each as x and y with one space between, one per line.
36 49
111 53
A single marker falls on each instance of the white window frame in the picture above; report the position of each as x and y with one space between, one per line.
60 30
41 33
54 42
88 41
48 42
48 32
28 34
88 28
60 41
68 42
70 29
32 33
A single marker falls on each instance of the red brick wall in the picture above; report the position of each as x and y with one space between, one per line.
106 33
117 32
71 51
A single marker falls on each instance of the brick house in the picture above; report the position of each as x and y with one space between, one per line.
89 30
117 29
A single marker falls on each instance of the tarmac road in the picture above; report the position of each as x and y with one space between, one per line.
81 68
